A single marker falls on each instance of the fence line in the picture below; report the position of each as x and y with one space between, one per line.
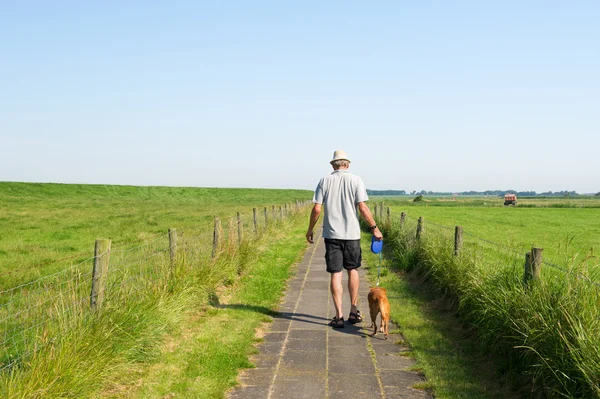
380 220
47 276
22 315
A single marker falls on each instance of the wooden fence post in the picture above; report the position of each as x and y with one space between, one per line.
419 227
240 227
388 221
99 272
281 213
536 262
273 214
216 237
533 264
266 217
402 219
527 276
173 246
255 220
458 230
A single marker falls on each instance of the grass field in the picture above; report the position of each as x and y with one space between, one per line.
567 234
43 223
544 333
54 346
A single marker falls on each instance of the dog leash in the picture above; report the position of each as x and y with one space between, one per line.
378 270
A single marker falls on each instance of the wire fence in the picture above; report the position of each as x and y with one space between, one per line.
37 313
390 217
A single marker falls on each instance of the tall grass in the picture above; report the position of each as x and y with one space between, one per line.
55 346
546 334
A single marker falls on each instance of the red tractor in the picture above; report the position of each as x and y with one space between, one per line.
510 199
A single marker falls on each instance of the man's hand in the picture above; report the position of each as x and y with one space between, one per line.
377 234
310 236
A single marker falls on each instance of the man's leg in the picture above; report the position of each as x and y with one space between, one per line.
337 291
353 284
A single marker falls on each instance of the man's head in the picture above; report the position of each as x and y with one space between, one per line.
340 160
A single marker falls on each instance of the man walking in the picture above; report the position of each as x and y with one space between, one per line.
342 194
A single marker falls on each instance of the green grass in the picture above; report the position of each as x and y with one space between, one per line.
206 355
544 334
446 354
42 223
566 234
54 346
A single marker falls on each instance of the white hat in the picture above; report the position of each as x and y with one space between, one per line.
339 155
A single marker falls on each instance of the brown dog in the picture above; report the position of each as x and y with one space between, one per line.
378 302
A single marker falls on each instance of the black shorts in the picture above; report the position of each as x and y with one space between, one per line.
342 254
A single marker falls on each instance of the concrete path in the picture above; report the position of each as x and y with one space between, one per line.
302 357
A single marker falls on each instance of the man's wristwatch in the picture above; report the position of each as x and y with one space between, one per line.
373 227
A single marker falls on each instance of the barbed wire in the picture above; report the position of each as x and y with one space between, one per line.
12 333
493 243
51 275
145 244
21 311
578 275
123 267
51 285
513 251
42 264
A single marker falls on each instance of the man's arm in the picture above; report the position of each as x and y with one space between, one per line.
314 217
366 214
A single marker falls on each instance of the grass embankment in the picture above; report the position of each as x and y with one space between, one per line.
447 355
544 335
40 224
566 234
202 359
57 347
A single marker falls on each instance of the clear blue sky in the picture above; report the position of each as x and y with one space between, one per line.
434 95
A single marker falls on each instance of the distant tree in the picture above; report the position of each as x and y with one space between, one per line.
598 194
418 198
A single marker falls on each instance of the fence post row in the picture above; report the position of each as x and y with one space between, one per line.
102 249
419 227
173 246
99 272
388 221
458 240
216 237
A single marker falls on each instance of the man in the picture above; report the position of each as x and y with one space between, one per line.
342 194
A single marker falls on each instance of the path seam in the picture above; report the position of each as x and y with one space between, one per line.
287 333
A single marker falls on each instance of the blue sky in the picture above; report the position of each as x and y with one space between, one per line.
434 95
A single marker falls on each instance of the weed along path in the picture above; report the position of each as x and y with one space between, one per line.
302 357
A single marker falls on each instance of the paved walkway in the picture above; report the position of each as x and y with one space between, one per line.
302 357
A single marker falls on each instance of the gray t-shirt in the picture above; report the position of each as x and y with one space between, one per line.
340 193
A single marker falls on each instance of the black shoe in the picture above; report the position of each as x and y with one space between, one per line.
337 323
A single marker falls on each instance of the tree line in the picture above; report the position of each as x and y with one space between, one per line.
499 193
